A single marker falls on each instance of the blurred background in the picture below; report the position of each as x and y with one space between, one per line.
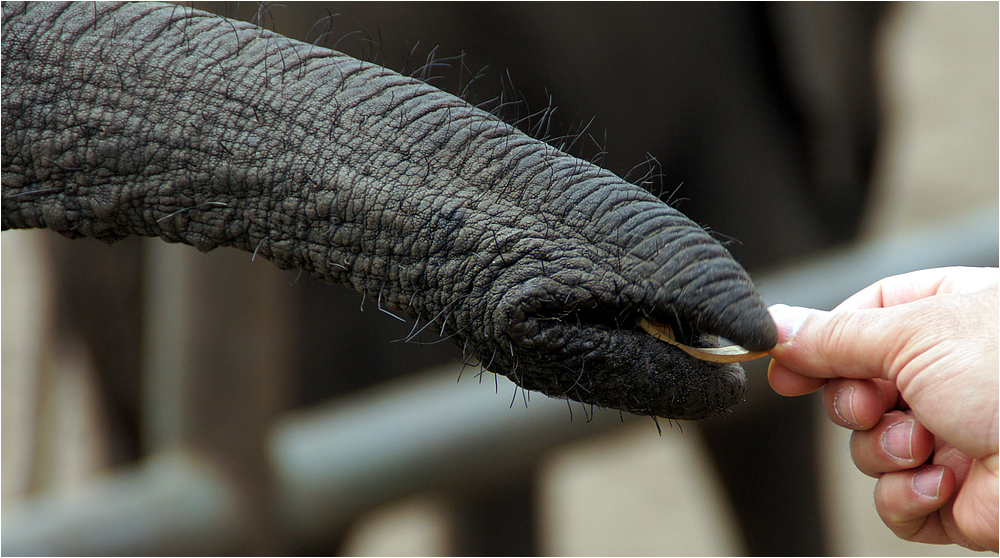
157 400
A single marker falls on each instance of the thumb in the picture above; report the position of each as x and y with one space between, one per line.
844 344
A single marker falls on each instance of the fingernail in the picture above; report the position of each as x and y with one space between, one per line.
928 483
788 319
843 405
897 440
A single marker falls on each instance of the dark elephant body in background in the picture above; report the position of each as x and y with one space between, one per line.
769 128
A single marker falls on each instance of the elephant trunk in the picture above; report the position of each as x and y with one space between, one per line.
158 120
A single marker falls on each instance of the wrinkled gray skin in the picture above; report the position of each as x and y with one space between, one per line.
158 120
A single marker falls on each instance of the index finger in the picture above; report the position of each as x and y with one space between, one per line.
916 285
898 289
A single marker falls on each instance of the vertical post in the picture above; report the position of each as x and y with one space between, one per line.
217 369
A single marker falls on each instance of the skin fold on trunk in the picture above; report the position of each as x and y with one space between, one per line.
159 120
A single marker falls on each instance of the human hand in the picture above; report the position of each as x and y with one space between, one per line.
911 365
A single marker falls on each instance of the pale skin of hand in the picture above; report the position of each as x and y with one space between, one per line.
911 365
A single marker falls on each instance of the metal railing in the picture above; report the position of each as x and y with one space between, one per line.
338 460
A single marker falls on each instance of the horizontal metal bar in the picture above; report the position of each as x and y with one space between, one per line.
970 239
424 432
172 504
